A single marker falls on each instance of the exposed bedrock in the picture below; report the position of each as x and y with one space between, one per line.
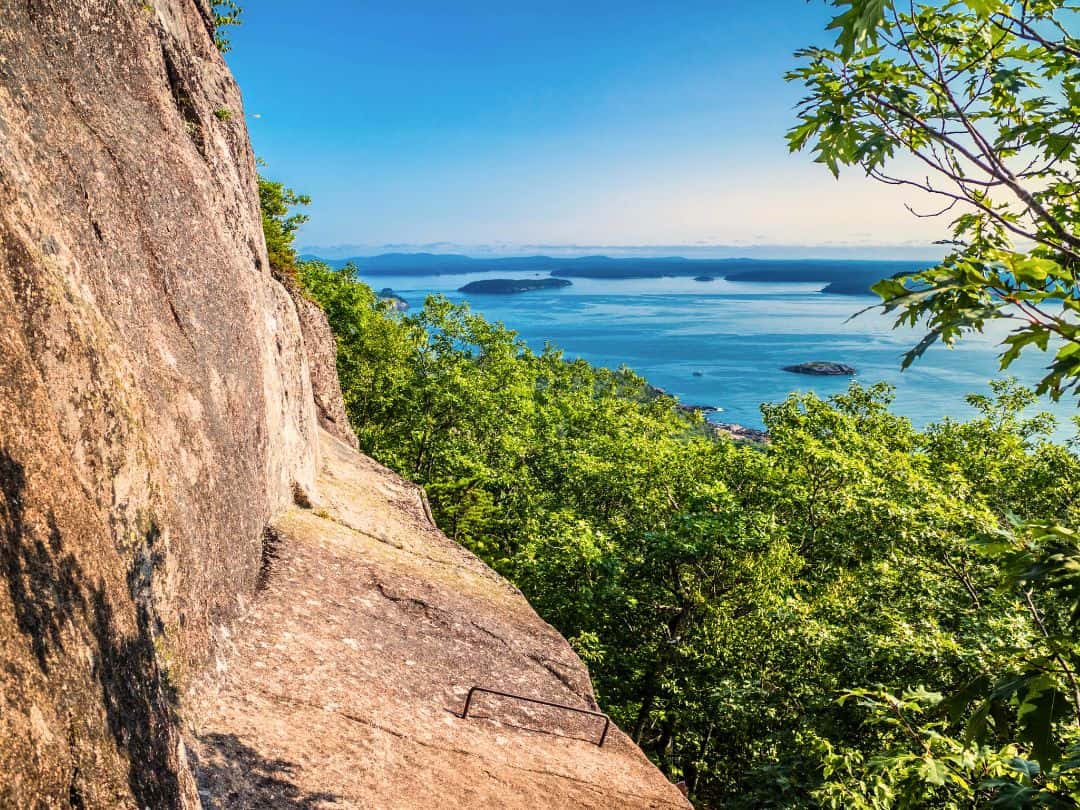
160 401
155 403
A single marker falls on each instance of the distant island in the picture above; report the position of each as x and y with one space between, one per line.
839 276
821 368
506 286
842 278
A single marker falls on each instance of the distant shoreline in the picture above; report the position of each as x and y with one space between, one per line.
837 276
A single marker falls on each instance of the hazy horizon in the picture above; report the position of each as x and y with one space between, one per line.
914 252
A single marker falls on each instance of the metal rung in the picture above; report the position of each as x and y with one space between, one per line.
475 689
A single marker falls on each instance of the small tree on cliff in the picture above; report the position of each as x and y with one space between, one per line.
280 224
226 13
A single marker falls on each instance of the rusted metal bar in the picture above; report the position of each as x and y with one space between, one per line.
475 689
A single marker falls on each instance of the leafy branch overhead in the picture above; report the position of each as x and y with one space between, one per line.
976 105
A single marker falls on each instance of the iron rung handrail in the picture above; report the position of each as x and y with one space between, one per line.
475 689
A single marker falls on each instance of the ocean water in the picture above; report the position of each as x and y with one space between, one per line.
724 343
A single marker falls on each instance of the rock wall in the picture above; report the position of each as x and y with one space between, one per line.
344 686
155 401
160 396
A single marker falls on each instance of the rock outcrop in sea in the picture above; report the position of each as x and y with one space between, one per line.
393 300
728 430
821 368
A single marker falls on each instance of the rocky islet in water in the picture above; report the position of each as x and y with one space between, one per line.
392 300
822 368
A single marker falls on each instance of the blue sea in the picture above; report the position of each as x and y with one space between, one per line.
724 343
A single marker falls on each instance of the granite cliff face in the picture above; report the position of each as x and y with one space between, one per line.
321 355
160 401
155 403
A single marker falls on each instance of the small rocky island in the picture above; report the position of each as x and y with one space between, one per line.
704 278
739 433
821 368
506 286
392 300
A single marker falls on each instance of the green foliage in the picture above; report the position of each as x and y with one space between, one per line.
223 113
280 223
1009 737
857 25
859 614
226 13
985 95
725 596
983 98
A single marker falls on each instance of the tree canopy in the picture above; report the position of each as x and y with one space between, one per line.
857 613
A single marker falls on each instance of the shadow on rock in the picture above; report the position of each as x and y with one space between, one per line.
234 776
54 598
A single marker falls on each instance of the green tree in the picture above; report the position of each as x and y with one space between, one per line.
975 103
280 223
226 13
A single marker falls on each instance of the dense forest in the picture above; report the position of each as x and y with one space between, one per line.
858 613
726 596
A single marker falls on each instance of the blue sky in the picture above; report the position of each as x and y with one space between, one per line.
538 127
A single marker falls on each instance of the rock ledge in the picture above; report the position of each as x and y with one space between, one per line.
345 683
